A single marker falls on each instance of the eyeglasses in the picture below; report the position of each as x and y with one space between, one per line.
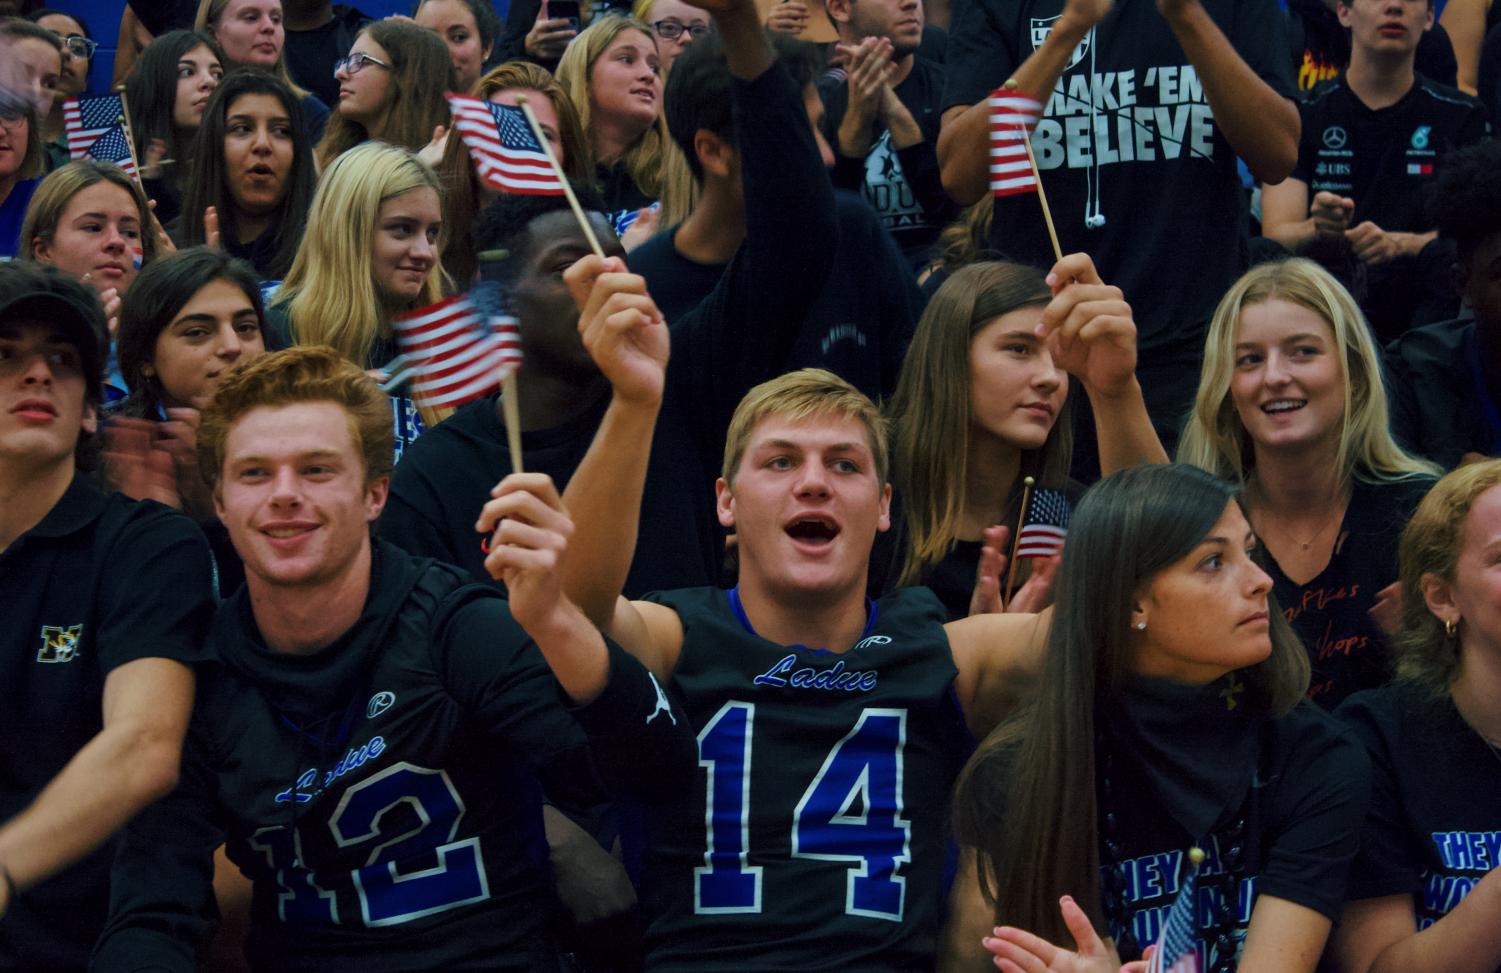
355 63
671 30
80 47
10 116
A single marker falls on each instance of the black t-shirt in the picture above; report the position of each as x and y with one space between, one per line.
1385 159
901 185
381 793
1300 827
1127 136
1442 404
863 319
1434 825
101 581
310 54
1331 612
826 845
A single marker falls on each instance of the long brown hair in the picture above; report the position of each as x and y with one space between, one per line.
421 73
1026 799
462 193
932 409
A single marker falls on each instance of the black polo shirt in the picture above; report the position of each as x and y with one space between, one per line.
99 582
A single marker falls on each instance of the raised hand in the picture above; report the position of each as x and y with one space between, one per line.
164 245
211 227
547 38
870 70
529 535
1331 215
1088 326
432 152
986 599
156 154
788 17
621 327
1018 951
135 464
178 437
1037 593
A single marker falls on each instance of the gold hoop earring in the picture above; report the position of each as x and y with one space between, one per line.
1450 627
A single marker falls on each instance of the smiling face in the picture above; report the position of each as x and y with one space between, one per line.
1016 391
198 74
99 234
1288 384
625 86
1206 614
74 78
43 407
293 494
453 21
258 152
362 93
405 245
1386 27
806 505
216 330
251 32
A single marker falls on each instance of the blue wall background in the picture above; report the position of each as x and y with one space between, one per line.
103 18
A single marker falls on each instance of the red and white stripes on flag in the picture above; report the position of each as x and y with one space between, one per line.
455 351
1012 116
506 154
1044 524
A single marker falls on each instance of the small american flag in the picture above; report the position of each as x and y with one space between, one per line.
1012 116
506 154
1178 943
1044 524
457 350
114 147
87 118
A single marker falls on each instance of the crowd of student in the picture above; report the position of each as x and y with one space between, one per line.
745 670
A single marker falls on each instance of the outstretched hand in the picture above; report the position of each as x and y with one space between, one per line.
1018 951
622 328
1088 326
135 463
529 535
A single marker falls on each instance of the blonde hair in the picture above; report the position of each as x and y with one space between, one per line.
209 12
421 72
61 185
933 409
644 159
329 294
1214 438
300 375
797 396
1425 655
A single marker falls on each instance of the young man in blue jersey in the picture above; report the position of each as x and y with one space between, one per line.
830 727
371 748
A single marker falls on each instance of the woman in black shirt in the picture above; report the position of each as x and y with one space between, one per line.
1424 892
1169 714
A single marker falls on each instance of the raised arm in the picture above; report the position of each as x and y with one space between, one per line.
964 141
130 763
1261 125
1090 331
998 657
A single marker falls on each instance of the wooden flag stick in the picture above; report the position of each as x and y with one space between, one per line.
1016 539
130 140
578 211
512 409
1042 195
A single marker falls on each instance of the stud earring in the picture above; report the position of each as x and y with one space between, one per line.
1141 626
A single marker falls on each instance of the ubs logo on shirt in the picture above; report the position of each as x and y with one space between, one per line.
59 644
1043 26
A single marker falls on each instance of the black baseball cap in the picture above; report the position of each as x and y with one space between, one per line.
46 295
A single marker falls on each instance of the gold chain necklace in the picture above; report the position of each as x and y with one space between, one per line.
1302 544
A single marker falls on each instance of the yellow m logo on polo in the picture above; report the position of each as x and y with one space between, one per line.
59 644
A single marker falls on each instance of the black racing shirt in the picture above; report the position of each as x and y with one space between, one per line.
1386 158
1434 826
100 582
1331 612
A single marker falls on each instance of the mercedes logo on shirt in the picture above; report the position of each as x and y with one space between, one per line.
1335 137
